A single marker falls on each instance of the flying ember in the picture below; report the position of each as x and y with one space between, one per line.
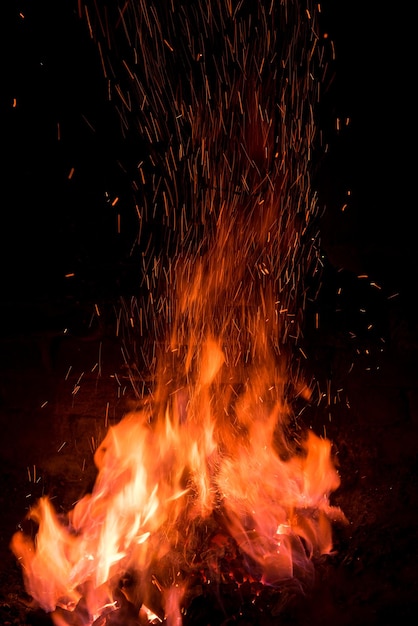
210 484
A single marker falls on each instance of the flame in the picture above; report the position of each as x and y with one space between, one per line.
207 481
164 476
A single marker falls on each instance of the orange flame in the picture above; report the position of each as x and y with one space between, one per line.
163 475
205 473
206 458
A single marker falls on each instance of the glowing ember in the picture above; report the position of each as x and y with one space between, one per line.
206 483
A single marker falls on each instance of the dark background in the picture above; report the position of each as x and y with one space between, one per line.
52 226
367 348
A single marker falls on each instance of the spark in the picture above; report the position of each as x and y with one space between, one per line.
88 123
222 101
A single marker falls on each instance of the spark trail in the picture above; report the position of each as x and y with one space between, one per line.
221 99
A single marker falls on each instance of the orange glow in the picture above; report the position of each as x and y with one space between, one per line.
206 466
168 470
212 477
206 461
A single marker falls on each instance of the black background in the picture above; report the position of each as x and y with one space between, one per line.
52 226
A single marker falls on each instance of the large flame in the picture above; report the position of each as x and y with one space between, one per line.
211 459
207 481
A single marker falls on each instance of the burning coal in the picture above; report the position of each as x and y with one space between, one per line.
210 482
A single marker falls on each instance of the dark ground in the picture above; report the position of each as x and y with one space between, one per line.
54 403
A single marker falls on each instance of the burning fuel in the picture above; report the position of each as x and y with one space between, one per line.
210 481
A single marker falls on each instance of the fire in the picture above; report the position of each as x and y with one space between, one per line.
211 480
168 476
